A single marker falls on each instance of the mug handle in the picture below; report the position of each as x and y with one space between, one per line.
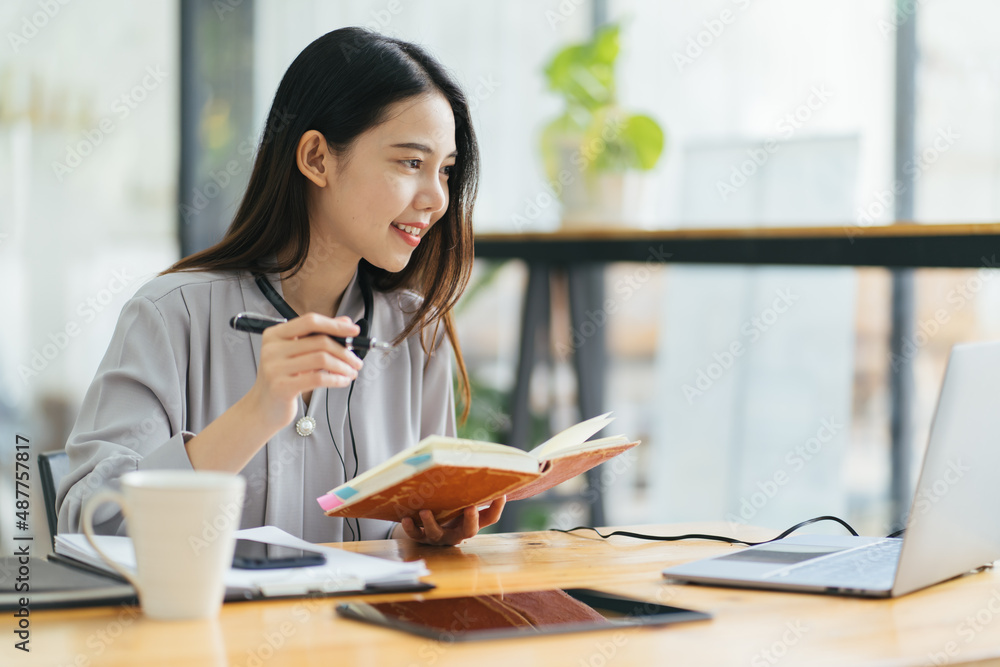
105 495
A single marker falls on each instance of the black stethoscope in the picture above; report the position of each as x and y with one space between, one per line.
365 324
364 282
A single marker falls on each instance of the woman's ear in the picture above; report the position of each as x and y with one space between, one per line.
314 158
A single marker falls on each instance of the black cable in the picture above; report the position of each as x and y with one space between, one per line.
699 536
350 426
341 457
354 446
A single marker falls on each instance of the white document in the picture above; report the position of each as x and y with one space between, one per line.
343 570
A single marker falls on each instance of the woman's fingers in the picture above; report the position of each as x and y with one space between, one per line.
318 360
302 337
314 323
432 531
294 348
456 530
411 529
299 356
470 522
491 514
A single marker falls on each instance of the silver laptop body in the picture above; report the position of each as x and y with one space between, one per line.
950 530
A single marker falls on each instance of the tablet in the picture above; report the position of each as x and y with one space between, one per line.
516 614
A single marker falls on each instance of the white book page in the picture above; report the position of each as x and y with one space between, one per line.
571 437
600 443
343 570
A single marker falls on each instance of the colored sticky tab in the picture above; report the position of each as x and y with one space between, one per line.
329 501
346 492
418 460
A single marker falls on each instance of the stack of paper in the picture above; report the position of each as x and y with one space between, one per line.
343 570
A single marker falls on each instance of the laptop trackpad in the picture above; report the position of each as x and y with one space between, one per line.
780 554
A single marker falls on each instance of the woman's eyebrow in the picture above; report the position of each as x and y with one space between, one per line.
422 148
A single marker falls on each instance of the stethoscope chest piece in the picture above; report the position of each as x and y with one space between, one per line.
305 426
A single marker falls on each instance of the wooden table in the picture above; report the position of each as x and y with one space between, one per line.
957 622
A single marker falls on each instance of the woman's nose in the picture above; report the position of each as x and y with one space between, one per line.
433 195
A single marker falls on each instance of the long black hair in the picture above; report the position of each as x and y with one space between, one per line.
342 85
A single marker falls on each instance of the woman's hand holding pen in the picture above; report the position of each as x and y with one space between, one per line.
293 362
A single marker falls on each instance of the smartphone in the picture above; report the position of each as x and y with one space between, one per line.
254 555
516 614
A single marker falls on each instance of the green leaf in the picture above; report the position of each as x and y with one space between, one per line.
645 138
606 137
559 69
584 73
606 44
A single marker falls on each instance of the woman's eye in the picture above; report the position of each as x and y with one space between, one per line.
412 164
448 169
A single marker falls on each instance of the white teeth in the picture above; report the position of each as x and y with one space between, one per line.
415 231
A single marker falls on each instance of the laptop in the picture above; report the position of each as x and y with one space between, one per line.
951 528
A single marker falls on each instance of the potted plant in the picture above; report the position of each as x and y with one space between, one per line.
590 148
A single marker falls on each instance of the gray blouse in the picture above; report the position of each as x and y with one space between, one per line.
174 365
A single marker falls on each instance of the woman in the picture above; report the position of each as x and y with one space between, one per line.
358 209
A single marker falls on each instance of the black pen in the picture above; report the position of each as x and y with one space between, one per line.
256 323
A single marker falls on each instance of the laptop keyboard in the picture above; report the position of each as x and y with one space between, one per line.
872 566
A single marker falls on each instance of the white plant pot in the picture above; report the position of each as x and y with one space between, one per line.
611 200
597 200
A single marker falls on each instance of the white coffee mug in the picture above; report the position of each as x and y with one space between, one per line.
181 523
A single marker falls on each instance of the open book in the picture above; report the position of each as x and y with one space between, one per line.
446 475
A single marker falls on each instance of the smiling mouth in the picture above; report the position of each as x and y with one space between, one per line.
413 231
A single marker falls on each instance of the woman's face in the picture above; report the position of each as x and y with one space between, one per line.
380 199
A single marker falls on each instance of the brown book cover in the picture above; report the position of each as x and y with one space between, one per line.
559 469
446 475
